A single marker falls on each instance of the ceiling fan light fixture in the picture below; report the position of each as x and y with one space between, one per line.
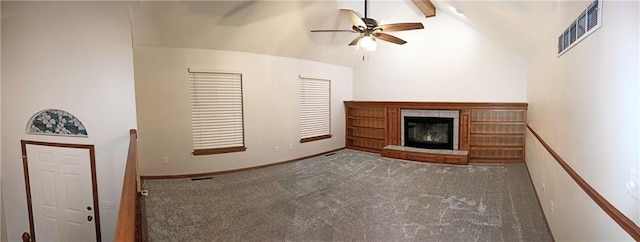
369 30
367 43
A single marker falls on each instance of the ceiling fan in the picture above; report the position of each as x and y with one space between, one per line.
370 30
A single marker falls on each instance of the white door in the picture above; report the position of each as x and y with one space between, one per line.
61 193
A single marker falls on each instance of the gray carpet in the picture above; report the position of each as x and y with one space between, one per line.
349 196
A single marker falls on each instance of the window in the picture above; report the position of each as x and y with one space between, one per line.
315 109
216 112
586 23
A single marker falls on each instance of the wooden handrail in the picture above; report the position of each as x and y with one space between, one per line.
127 228
626 223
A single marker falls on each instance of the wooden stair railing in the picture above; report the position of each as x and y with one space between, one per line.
129 216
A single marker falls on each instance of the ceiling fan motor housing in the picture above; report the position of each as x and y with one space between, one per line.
371 23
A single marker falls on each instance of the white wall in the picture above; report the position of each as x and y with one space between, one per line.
270 90
3 226
76 57
447 61
584 104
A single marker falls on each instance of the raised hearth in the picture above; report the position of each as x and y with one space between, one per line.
455 157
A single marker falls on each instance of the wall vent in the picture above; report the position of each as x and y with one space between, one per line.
201 178
587 22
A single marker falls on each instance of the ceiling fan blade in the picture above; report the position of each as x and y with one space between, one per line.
389 38
355 41
400 27
355 18
332 30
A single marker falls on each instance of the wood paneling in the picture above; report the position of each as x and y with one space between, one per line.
425 156
497 135
367 128
396 154
464 132
491 132
393 126
426 7
439 105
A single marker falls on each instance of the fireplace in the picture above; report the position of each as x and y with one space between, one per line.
428 132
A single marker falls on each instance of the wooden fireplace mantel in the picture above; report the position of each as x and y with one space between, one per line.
490 132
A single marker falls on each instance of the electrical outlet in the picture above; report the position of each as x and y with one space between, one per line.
290 146
543 187
551 207
165 160
277 149
107 204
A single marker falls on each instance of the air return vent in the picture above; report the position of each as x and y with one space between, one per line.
201 178
587 22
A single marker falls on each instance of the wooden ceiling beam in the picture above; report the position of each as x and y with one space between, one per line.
426 7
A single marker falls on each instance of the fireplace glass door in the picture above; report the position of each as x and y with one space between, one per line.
428 132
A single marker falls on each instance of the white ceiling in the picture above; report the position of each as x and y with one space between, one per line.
282 27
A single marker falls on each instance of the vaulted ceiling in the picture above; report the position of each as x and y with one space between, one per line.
282 27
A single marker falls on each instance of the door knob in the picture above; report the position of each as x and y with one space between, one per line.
89 218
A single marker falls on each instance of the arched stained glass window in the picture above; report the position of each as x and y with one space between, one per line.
56 122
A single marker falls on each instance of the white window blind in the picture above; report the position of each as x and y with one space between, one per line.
315 108
216 111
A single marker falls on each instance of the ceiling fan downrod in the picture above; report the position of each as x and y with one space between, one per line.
365 8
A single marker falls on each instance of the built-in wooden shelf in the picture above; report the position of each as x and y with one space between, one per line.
503 147
496 160
357 117
496 135
489 132
496 122
363 127
363 137
366 128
